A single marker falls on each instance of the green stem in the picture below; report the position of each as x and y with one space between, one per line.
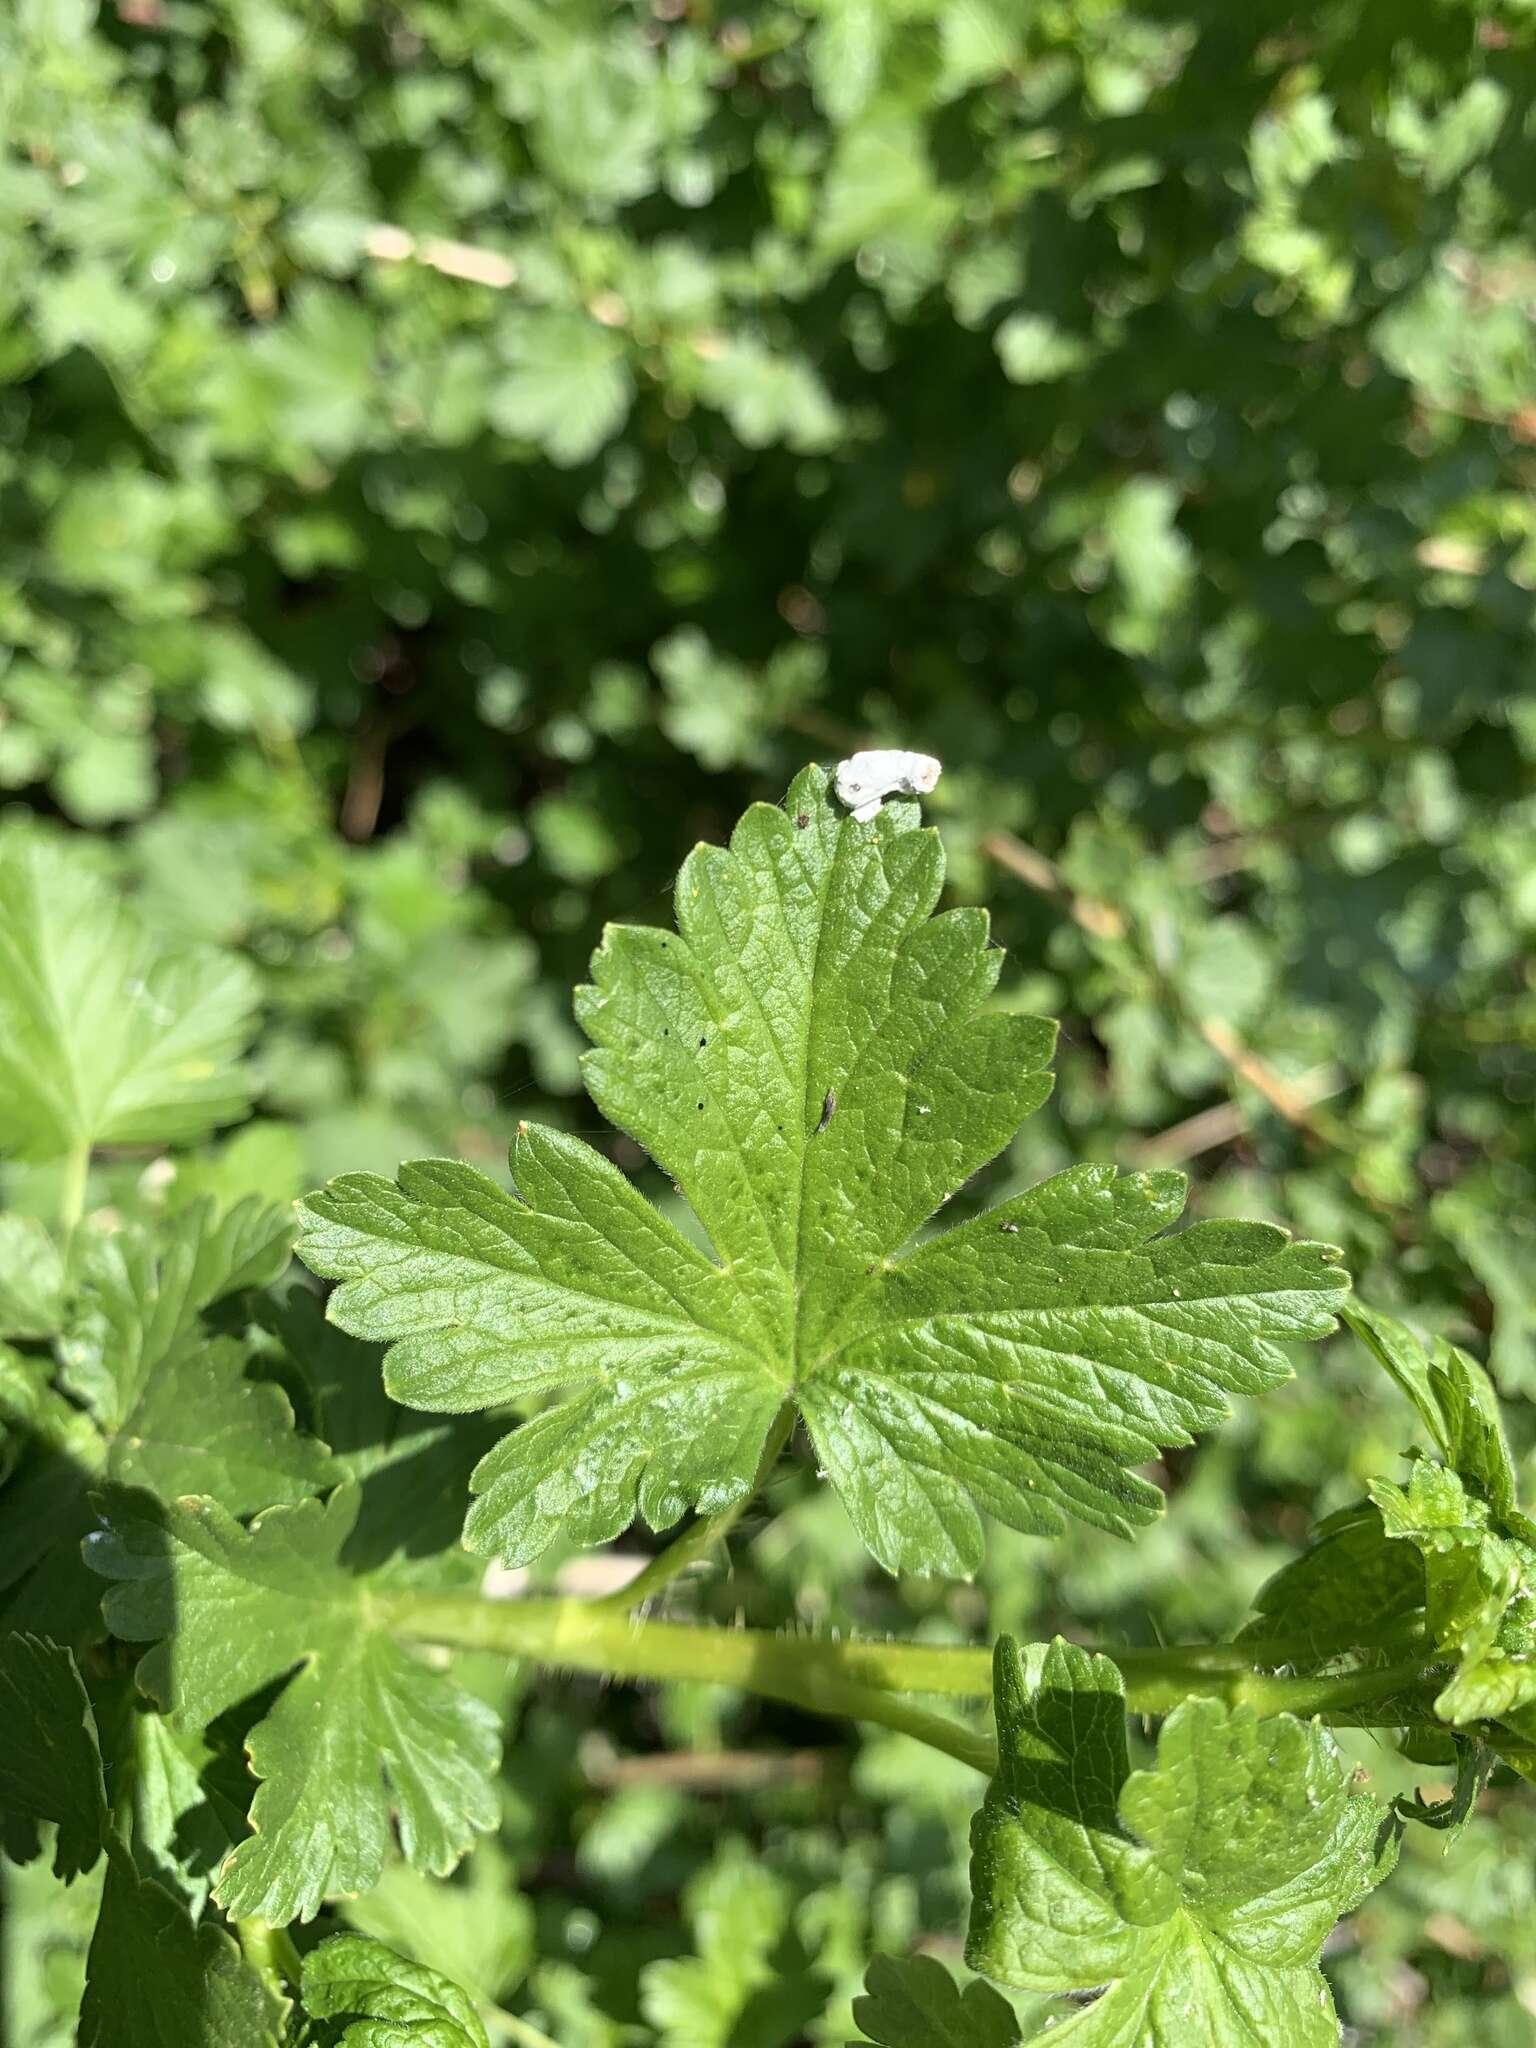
1307 1646
582 1635
855 1679
77 1167
271 1954
703 1537
1336 1695
507 2026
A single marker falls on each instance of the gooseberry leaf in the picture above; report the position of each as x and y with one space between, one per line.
811 1058
151 1977
174 1407
751 1978
1446 1548
913 2002
164 1403
1197 1894
377 1999
32 1279
1479 1589
1454 1398
1349 1581
361 1732
50 1761
105 1037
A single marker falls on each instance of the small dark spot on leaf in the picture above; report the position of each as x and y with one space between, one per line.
1009 1229
869 1268
702 1043
803 819
701 1105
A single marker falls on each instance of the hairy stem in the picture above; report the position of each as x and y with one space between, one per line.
856 1679
581 1635
705 1535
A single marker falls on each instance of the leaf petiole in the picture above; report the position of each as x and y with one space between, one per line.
706 1534
271 1954
77 1168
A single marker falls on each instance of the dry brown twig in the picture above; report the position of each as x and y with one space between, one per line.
1292 1100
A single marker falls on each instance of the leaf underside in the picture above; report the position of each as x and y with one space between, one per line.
811 1058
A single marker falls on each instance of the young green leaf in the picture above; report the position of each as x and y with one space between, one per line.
478 1929
810 1058
1198 1893
104 1037
1448 1543
1455 1400
1350 1582
913 2002
1479 1589
376 1999
361 1731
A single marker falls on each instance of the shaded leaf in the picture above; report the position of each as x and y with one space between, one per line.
913 2002
50 1761
1197 1894
362 1732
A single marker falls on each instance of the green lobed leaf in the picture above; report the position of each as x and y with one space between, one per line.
1454 1397
50 1760
175 1406
165 1404
811 1058
1197 1893
32 1283
750 1978
1459 1530
1350 1578
106 1038
1479 1590
479 1929
568 387
153 1980
913 2002
362 1732
379 2000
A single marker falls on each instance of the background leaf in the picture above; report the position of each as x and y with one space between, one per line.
104 1038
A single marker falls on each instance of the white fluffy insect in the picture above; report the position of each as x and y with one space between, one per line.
864 781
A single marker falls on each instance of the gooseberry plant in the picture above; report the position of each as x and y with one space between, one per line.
218 1509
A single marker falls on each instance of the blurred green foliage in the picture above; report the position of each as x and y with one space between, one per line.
453 455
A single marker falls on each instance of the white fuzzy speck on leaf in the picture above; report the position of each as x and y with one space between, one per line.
864 781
